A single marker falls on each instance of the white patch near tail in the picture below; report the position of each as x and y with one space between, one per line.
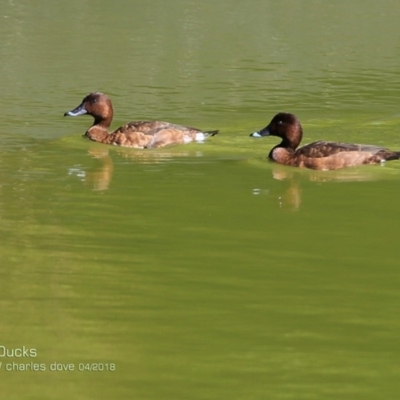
200 137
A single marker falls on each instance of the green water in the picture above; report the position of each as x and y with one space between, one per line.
199 271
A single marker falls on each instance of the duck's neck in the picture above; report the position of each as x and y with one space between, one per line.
292 138
103 122
285 150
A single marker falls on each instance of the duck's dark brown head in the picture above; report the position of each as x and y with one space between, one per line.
286 126
96 104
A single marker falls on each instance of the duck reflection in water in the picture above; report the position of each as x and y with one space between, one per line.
99 178
289 195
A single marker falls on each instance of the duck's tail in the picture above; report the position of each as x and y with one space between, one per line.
211 133
394 155
202 136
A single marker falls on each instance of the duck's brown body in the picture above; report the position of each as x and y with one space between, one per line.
318 155
138 134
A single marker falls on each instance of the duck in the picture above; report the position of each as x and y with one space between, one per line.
320 155
137 134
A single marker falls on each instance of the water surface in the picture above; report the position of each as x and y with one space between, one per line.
199 271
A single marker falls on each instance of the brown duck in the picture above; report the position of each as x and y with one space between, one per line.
138 134
318 155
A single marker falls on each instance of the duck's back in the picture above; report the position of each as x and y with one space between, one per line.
332 155
152 127
325 149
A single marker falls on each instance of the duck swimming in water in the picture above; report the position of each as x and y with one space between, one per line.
318 155
138 134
